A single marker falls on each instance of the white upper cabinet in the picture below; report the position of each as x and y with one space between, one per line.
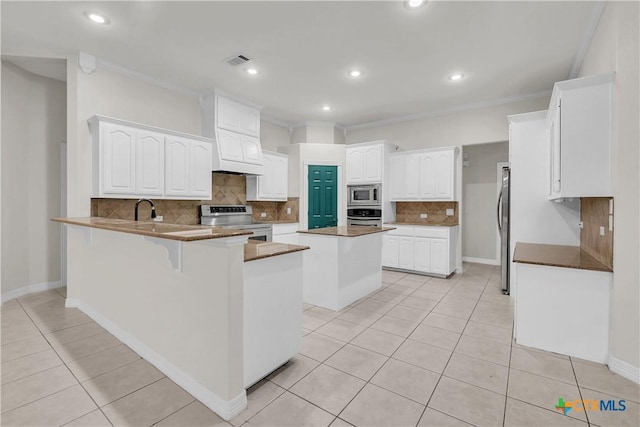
132 161
230 145
251 149
579 137
423 175
237 117
274 183
365 164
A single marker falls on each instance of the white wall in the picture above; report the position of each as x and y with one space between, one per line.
462 128
479 186
615 47
33 127
273 136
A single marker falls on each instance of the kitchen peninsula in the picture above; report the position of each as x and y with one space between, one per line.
184 298
343 265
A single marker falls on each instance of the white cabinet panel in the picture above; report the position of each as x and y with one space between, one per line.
427 176
412 173
444 169
237 117
439 256
273 184
118 151
390 250
149 163
405 253
200 169
354 165
251 149
397 177
422 254
177 166
230 144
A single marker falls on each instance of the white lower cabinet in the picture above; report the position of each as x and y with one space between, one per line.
424 249
285 233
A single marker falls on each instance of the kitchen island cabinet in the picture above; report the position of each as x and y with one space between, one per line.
343 265
562 299
181 297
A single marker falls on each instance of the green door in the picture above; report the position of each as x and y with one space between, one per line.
323 196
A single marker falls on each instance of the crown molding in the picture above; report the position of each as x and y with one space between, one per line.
146 78
596 14
445 111
275 121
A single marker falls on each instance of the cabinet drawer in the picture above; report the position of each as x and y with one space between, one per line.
437 232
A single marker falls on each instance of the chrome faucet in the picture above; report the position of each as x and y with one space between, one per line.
153 209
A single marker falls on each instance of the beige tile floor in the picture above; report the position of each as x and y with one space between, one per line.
419 352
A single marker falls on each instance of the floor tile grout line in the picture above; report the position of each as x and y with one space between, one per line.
38 399
450 356
506 392
579 389
25 355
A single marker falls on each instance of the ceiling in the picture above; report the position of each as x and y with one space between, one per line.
304 49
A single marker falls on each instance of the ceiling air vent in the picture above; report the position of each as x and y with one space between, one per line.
238 59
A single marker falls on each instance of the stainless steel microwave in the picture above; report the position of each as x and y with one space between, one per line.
365 195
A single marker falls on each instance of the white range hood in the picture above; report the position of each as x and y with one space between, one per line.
235 127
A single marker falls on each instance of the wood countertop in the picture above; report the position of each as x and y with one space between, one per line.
254 250
346 231
557 256
184 233
420 224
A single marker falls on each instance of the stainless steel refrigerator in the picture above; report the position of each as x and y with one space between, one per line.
503 227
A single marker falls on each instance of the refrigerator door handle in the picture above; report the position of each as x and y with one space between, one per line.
498 211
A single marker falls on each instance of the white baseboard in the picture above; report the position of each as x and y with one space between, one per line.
29 289
624 369
480 260
227 409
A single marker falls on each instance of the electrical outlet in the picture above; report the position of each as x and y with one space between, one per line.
288 211
449 212
602 231
423 216
158 218
263 215
581 225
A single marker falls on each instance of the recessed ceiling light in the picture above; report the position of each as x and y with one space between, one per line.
355 73
326 108
456 76
97 18
414 3
252 71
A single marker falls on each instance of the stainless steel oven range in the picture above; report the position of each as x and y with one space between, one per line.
368 216
235 216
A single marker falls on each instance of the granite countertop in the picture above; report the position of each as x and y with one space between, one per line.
254 250
185 233
421 224
557 256
346 231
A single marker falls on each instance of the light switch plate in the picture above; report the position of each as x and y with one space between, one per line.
158 218
449 212
288 211
263 215
423 216
602 231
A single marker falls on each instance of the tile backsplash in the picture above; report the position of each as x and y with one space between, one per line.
409 212
594 213
228 189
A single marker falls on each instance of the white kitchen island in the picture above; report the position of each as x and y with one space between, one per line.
343 265
182 298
